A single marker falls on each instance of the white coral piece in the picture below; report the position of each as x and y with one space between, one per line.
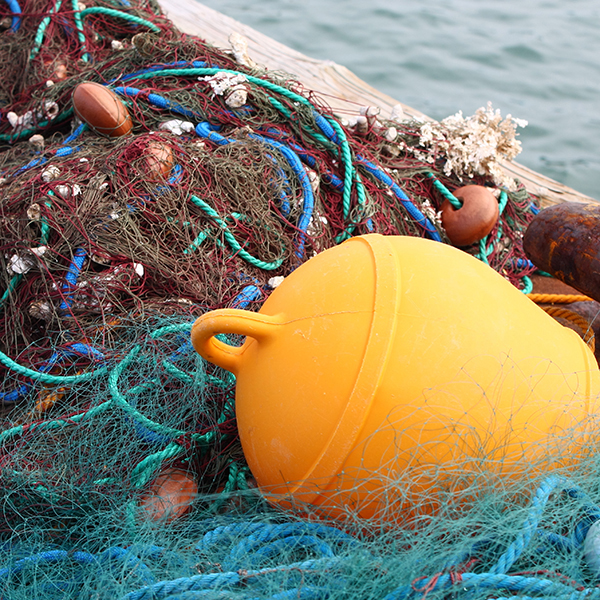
474 145
222 82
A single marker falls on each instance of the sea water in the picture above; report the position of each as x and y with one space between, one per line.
538 60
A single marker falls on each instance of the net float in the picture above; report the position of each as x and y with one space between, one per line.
474 219
388 359
170 495
158 160
564 240
101 109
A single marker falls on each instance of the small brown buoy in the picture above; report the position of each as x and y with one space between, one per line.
158 160
474 219
170 495
101 109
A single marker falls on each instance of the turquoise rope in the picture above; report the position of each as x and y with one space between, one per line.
527 285
41 30
445 192
79 26
56 424
127 408
267 266
9 363
13 137
288 115
344 145
10 288
144 470
111 12
484 250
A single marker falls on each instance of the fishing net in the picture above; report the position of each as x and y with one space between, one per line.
232 177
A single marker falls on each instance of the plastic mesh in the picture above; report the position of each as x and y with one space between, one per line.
111 247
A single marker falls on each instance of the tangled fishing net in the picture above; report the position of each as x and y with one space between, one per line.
111 247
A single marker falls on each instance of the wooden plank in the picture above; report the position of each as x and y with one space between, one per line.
343 91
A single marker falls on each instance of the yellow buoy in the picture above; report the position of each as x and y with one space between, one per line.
391 359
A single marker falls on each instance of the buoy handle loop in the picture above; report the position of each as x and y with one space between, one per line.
255 326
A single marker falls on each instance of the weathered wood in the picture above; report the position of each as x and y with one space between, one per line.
343 91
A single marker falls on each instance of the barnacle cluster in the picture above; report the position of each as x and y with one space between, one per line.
473 145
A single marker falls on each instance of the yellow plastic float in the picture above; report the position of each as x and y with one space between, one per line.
388 360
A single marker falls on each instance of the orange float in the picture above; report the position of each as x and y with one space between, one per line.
158 160
388 360
474 219
170 495
101 109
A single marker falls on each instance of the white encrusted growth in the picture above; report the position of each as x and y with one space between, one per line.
177 126
473 145
239 49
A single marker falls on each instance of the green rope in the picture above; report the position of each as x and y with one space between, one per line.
349 170
13 137
201 237
111 12
484 249
9 363
16 279
146 468
55 424
527 285
343 141
445 192
79 26
319 137
267 266
41 30
126 407
167 329
10 288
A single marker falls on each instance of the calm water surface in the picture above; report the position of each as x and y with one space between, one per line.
537 60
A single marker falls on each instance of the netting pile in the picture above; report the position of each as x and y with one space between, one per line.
111 247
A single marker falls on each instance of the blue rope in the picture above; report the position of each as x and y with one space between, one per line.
540 500
249 294
206 131
165 589
16 18
71 278
412 210
307 192
157 100
327 177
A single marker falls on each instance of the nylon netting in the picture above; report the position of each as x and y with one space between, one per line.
111 247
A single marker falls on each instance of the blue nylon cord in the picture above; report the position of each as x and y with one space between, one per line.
412 210
71 278
205 130
157 100
16 10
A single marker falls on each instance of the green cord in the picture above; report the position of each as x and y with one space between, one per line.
13 137
111 12
47 377
288 115
41 30
146 468
527 285
79 26
235 245
127 408
344 145
445 192
56 424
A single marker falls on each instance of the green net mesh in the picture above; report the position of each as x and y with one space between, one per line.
112 246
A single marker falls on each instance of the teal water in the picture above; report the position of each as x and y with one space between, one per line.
538 60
